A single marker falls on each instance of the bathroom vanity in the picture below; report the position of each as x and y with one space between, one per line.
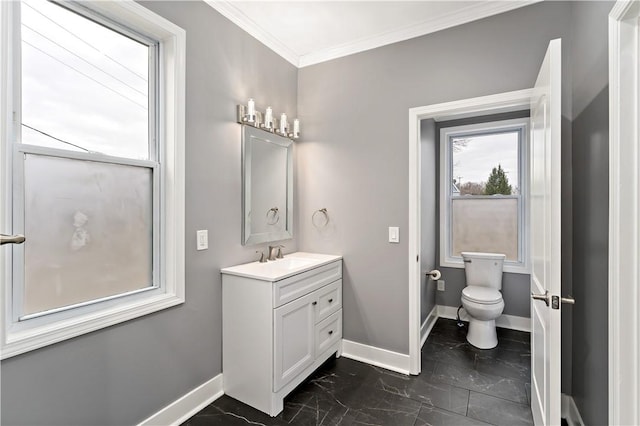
281 320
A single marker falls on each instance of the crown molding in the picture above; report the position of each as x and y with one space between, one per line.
232 13
463 16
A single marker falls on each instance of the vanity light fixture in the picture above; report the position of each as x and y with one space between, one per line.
252 117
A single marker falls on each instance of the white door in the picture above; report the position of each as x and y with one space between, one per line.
545 239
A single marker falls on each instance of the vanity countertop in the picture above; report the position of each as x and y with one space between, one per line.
279 269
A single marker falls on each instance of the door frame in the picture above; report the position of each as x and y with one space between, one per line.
484 105
624 200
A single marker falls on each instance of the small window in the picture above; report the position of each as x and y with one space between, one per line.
483 191
97 180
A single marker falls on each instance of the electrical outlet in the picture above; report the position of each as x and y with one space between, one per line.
440 285
202 239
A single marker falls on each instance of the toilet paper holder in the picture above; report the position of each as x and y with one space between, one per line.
435 275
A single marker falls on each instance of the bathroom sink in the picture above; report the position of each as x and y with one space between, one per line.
289 263
276 270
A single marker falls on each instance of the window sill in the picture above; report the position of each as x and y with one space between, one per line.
508 268
18 342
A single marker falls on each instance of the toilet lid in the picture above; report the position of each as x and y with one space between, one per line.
479 294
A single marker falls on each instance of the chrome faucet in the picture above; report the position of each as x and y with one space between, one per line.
280 255
272 252
262 259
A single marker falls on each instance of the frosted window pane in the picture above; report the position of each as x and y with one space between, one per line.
85 87
485 225
89 231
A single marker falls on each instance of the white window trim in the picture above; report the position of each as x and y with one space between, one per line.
171 131
446 260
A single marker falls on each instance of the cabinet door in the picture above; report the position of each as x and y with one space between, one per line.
294 339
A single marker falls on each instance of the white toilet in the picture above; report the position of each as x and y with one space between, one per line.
481 297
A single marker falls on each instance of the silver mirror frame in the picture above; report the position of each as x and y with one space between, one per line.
249 238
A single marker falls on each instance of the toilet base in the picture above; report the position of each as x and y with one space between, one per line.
482 334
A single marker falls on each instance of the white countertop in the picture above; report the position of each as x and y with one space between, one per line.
292 264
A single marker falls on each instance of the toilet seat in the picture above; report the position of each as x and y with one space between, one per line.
482 295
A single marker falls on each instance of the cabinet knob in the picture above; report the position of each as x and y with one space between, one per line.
330 332
314 303
330 300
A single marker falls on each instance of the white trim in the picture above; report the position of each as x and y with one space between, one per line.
414 232
6 97
570 411
428 324
172 131
624 213
491 104
521 124
470 13
379 357
235 15
511 322
187 405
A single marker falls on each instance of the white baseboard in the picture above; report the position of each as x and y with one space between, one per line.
428 324
505 321
569 411
390 360
187 405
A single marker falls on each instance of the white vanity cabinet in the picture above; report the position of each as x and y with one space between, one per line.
280 322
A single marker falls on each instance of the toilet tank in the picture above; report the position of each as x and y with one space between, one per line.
483 269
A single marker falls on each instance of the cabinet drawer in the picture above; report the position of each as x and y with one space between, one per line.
328 332
329 300
291 288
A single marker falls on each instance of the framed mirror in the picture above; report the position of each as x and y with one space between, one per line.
267 186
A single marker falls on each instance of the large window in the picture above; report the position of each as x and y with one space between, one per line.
94 143
483 191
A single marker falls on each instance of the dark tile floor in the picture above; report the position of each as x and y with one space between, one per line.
459 385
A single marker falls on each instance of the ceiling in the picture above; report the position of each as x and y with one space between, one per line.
308 32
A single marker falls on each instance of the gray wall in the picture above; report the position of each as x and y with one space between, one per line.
590 219
354 156
515 291
515 287
428 215
122 374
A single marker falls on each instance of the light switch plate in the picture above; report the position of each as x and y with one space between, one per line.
440 285
394 234
202 239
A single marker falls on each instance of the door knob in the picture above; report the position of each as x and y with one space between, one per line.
554 300
546 298
11 239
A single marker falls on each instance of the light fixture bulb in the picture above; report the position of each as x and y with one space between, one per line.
268 118
251 111
283 124
296 128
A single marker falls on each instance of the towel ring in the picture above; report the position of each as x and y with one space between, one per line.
275 215
326 218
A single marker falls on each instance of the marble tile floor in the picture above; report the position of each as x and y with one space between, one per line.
459 385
